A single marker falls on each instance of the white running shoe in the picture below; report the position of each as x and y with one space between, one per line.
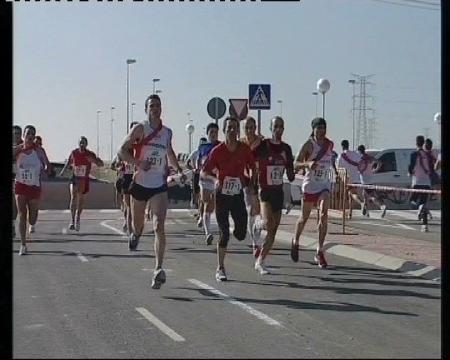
261 268
31 229
220 275
159 278
23 250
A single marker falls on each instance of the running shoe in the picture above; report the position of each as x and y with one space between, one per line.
261 268
289 207
209 239
220 275
319 258
256 250
363 209
133 242
200 223
77 225
424 228
72 226
420 212
31 229
159 278
383 210
294 251
23 250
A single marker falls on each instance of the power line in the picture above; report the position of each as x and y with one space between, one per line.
406 5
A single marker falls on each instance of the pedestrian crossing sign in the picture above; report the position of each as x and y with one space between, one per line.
259 96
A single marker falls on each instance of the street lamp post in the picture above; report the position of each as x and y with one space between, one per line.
154 81
190 129
112 133
129 61
281 106
132 111
157 91
98 128
323 85
352 81
437 120
315 93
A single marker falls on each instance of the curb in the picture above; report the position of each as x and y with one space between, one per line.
406 267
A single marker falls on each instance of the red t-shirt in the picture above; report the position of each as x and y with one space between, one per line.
229 163
273 160
80 162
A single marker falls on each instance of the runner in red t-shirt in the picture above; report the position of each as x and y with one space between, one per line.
229 159
273 157
80 160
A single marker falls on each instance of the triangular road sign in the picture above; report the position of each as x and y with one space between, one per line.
239 108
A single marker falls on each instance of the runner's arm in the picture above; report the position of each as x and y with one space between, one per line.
126 149
210 164
290 164
66 165
173 158
303 154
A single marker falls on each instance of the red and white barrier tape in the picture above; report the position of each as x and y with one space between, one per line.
391 188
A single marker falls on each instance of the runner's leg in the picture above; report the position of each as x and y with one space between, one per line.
138 215
302 219
22 202
158 206
324 203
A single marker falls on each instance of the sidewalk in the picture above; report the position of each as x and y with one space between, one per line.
406 255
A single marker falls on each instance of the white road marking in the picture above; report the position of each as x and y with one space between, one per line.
110 211
43 211
406 227
66 211
166 270
81 257
104 223
387 225
267 319
159 324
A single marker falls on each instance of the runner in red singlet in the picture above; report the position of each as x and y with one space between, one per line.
80 160
273 157
229 160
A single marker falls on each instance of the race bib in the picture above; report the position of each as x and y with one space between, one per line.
80 170
231 186
27 176
275 175
156 160
320 174
129 168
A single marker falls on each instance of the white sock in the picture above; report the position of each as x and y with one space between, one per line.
206 222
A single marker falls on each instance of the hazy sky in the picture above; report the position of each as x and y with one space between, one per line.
70 61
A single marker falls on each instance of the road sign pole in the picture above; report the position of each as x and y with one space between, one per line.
259 122
216 108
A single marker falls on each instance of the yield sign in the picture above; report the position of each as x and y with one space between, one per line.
238 108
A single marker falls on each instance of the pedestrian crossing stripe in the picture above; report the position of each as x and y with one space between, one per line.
259 99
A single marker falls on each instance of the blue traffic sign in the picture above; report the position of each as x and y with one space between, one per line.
259 96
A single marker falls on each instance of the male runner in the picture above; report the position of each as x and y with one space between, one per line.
229 160
191 164
148 146
273 157
29 163
315 157
17 140
80 160
349 160
206 185
255 224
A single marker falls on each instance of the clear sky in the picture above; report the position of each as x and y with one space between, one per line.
70 61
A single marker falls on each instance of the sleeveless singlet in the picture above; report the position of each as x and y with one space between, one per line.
155 151
318 179
28 168
421 174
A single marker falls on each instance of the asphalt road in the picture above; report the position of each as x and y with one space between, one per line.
86 296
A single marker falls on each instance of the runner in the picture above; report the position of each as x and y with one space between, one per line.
367 166
432 157
191 164
349 160
117 166
80 160
255 224
152 145
273 157
17 140
229 160
46 170
206 185
29 163
315 156
419 169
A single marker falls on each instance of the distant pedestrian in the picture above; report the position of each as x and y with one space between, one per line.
349 160
419 169
367 166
